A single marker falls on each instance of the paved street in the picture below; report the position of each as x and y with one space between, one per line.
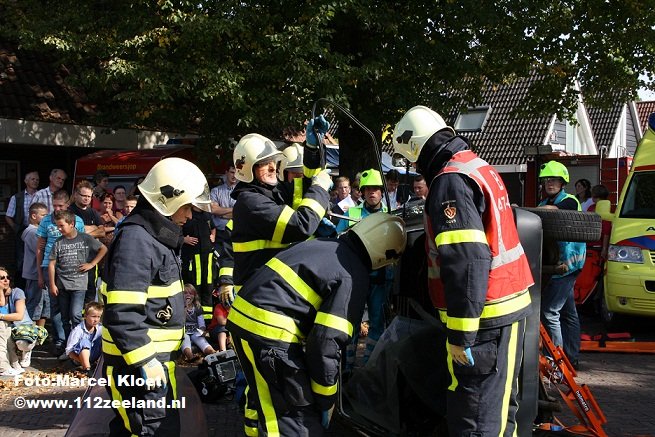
622 384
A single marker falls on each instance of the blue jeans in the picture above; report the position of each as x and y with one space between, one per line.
559 316
37 301
59 336
71 303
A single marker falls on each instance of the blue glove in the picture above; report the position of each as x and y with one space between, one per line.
326 416
467 351
318 125
326 228
461 355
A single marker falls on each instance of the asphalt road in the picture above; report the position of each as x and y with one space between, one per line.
622 384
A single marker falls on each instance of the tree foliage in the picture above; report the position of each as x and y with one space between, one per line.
223 68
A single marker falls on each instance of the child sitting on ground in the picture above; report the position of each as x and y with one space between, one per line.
195 325
84 345
216 328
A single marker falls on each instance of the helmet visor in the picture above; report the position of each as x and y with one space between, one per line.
203 201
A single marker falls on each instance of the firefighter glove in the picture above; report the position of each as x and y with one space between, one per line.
324 180
226 294
154 374
462 355
326 228
316 129
326 416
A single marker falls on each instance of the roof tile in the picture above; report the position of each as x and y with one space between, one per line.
32 88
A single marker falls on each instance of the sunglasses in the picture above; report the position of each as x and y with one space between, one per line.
2 278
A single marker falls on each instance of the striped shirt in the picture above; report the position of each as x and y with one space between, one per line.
44 196
27 201
221 195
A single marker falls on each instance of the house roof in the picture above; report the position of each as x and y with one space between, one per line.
505 134
605 122
32 88
644 109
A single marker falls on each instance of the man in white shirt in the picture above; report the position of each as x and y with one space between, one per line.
57 179
222 204
18 218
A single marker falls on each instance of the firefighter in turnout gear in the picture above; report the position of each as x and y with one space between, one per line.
478 273
143 293
314 294
264 221
381 280
197 255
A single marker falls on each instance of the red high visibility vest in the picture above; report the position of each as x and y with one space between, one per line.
509 275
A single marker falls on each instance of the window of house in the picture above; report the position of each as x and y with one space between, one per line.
472 120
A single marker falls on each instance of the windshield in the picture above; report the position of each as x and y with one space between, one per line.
639 201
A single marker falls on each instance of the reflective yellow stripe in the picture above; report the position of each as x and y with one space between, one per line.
251 417
310 172
261 329
296 282
126 297
297 192
491 310
229 224
251 246
461 236
237 288
334 322
138 297
116 395
268 317
210 268
516 303
226 271
170 367
103 288
250 414
207 312
282 222
160 335
325 390
463 324
314 206
453 378
198 269
509 378
165 291
263 393
140 354
161 341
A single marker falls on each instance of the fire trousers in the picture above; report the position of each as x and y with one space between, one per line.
482 399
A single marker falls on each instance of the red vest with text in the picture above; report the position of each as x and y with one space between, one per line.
510 272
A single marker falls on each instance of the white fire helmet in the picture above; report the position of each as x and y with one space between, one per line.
250 150
292 159
415 129
384 237
175 182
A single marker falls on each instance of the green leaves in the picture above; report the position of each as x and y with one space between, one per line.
225 68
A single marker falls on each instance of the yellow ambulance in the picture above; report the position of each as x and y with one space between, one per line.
629 279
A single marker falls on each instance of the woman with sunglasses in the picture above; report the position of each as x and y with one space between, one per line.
12 313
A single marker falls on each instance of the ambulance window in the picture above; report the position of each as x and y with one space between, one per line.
639 201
